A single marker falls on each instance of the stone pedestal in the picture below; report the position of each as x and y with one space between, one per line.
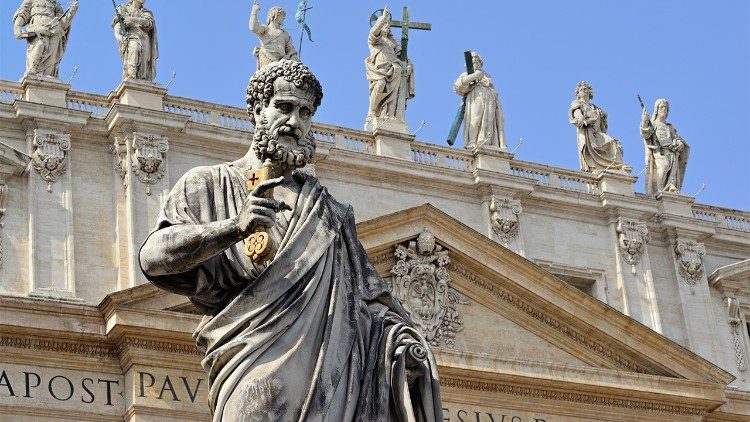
676 204
45 90
138 93
388 124
616 182
492 158
393 144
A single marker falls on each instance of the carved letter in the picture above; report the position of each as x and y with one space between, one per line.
28 385
192 394
164 388
52 392
143 387
460 418
83 384
421 285
4 381
109 389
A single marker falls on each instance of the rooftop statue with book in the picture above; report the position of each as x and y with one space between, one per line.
45 26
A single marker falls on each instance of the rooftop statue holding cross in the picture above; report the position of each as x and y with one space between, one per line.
389 71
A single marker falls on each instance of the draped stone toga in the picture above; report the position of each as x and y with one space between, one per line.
596 149
484 123
313 336
44 53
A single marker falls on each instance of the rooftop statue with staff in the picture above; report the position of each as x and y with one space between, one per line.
135 31
275 43
46 27
666 152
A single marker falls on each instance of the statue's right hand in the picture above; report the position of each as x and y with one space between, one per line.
644 116
258 211
256 7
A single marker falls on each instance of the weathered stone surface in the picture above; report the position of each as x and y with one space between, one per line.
45 26
317 291
666 152
484 122
135 31
275 43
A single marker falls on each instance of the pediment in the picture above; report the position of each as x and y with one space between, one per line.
520 311
12 161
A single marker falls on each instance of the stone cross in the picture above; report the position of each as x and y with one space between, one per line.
405 24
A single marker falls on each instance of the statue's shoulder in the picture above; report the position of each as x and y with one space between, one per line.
341 209
201 174
577 104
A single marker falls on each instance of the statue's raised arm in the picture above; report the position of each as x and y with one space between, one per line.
275 42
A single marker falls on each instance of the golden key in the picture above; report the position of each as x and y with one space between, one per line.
259 246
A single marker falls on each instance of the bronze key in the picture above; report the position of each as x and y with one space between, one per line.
259 245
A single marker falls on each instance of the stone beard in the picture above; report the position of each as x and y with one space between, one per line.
311 332
266 145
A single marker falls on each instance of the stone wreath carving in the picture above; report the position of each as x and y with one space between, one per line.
50 151
421 283
632 237
689 253
148 160
504 217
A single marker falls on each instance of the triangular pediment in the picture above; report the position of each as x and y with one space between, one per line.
517 310
12 161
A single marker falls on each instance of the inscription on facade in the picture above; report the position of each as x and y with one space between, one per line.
456 414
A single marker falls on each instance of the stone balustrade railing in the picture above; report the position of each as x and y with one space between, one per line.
236 118
10 91
97 105
440 156
556 177
723 217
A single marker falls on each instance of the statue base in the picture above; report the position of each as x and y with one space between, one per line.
394 144
45 90
389 124
140 93
492 158
618 182
675 203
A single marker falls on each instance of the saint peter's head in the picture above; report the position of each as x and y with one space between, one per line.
281 99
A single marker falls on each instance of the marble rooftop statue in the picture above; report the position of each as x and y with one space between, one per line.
298 325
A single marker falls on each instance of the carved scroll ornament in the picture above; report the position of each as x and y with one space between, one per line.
504 217
49 156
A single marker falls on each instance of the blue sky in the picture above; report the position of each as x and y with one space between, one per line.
694 53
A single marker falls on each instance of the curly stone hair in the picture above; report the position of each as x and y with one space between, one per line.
584 84
260 87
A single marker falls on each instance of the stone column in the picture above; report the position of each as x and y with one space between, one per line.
141 169
634 271
695 296
51 255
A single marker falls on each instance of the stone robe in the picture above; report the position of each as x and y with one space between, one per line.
44 53
384 88
314 335
273 47
139 48
484 123
665 167
596 149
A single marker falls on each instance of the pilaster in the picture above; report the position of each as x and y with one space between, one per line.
12 163
50 199
140 154
701 326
